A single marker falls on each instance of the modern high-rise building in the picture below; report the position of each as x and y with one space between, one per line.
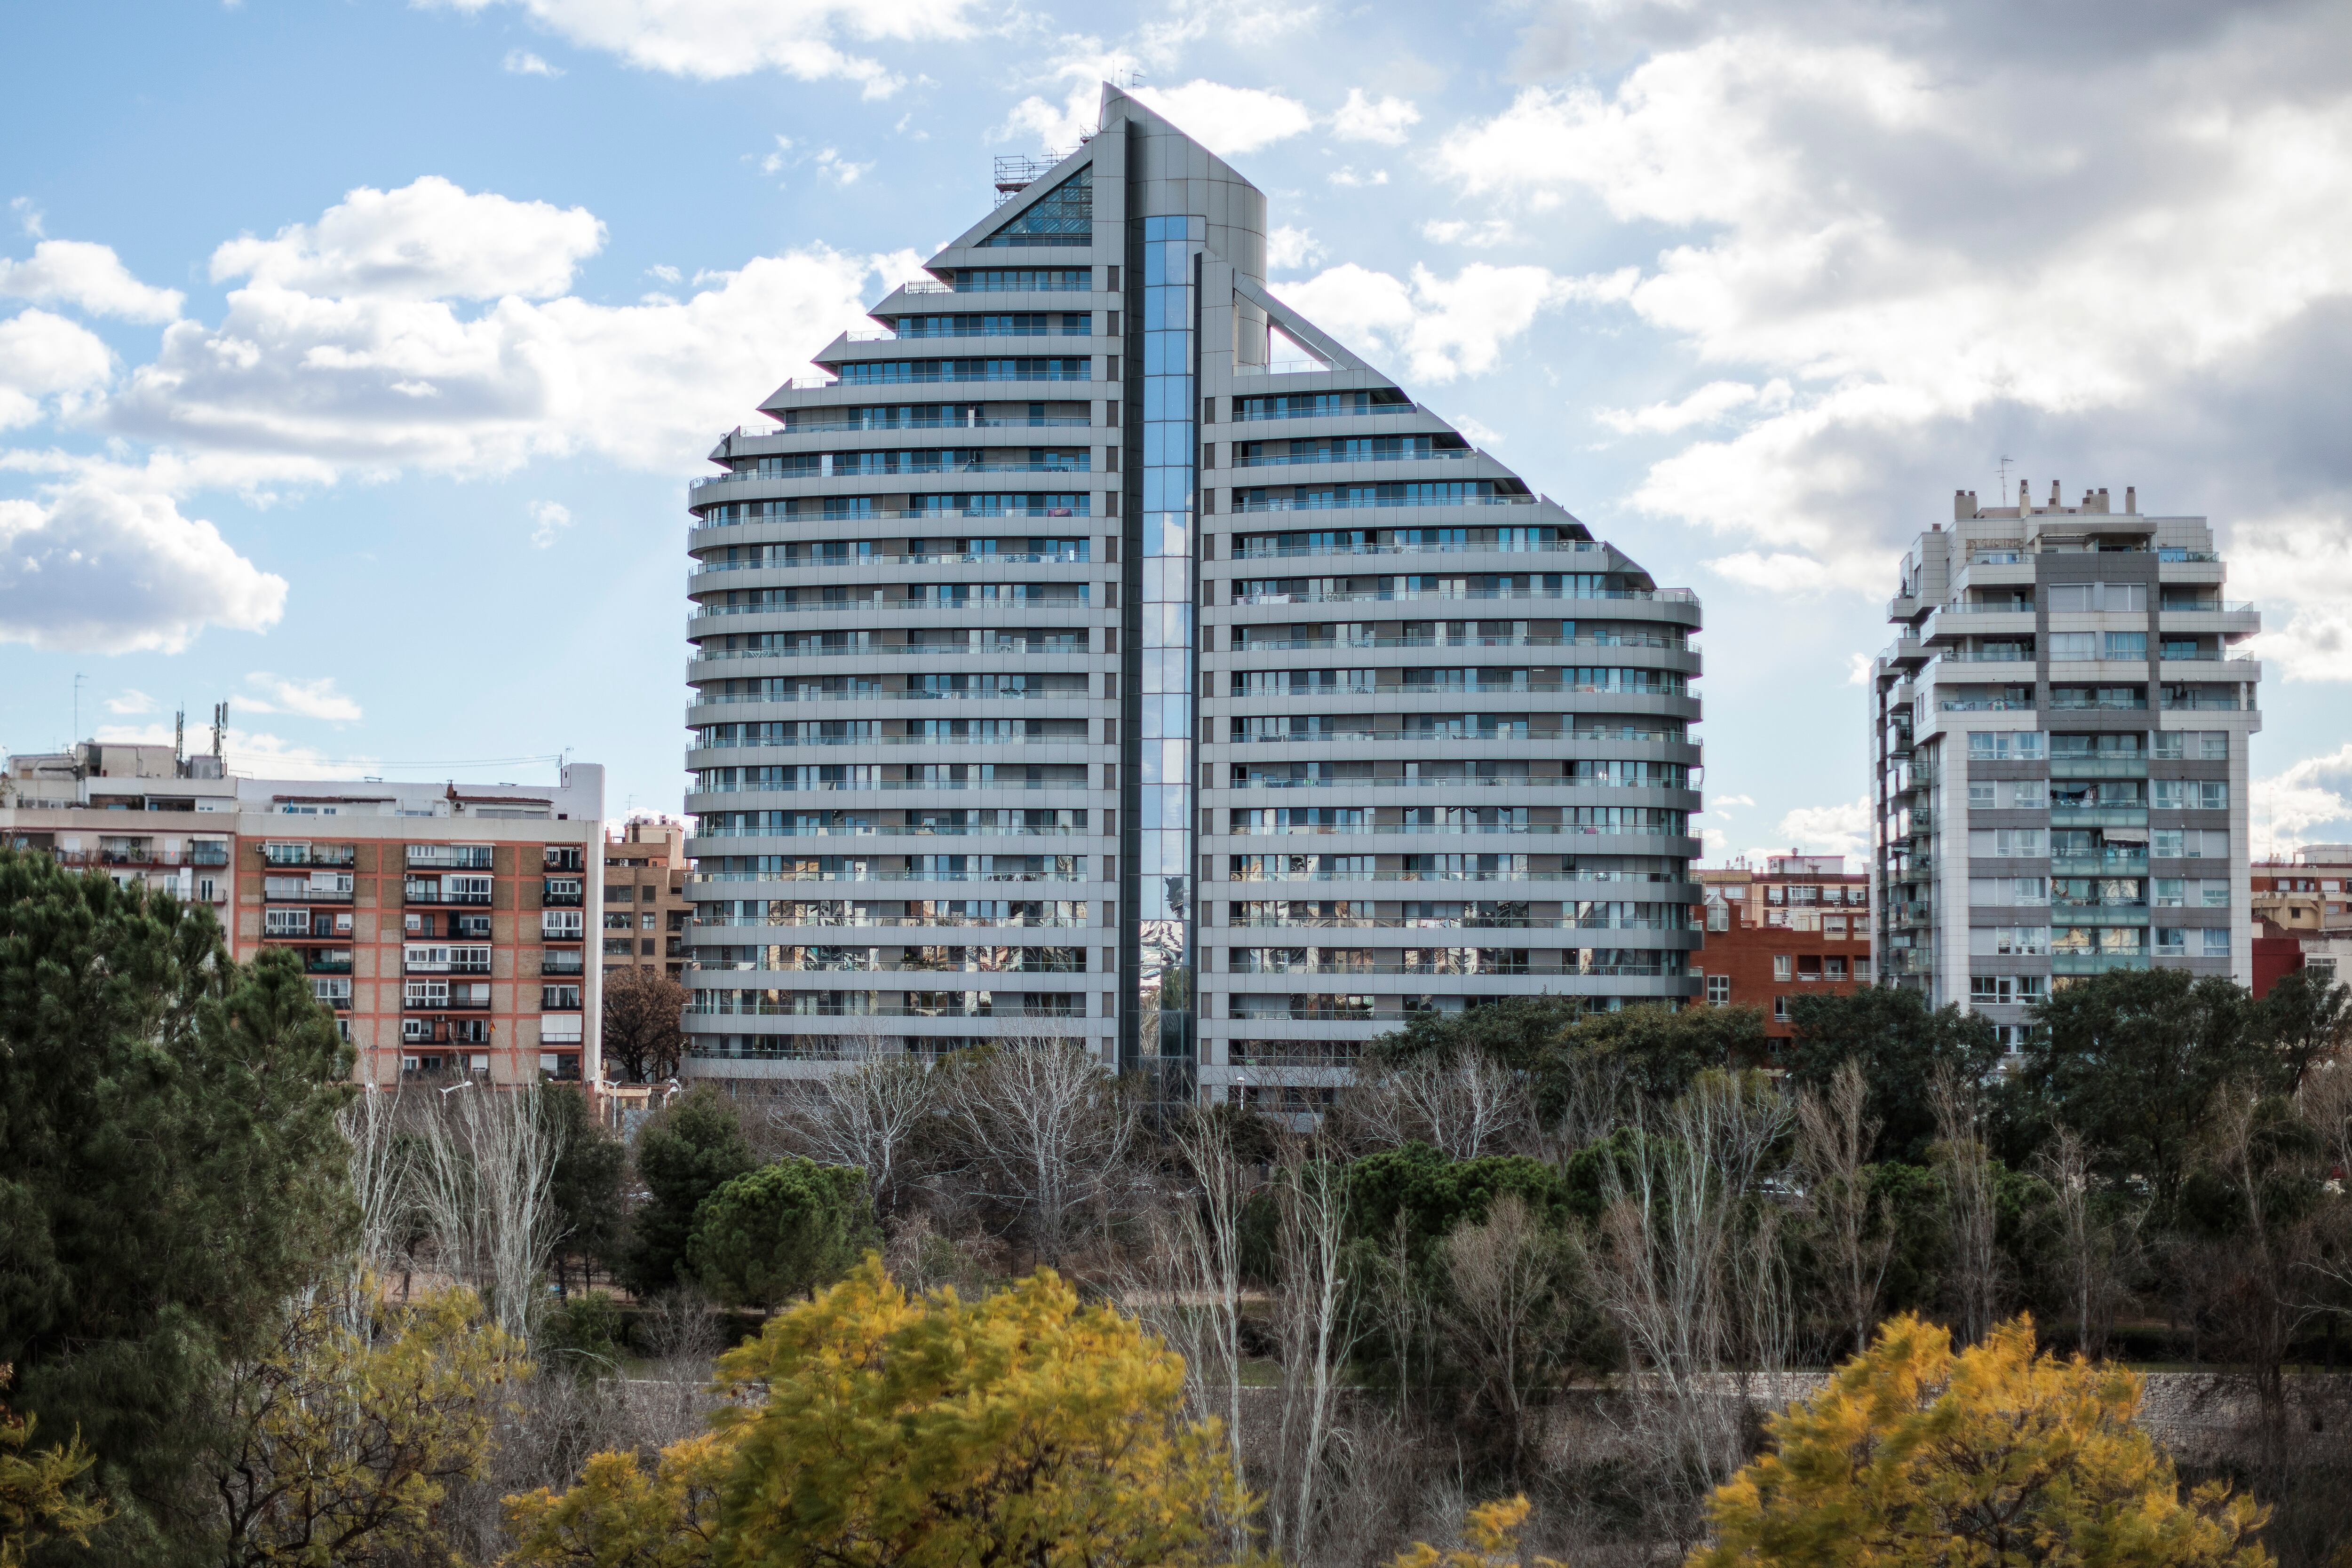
1107 652
2058 755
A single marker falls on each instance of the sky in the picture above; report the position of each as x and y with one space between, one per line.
354 355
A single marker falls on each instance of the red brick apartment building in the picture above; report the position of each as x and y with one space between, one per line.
446 924
1797 928
646 909
2301 904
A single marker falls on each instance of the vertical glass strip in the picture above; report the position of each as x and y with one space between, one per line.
1164 694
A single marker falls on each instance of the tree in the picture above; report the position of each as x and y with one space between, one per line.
485 1177
2305 1020
1018 1428
1502 1276
42 1494
338 1446
684 1154
1515 1032
170 1170
1900 1043
618 1516
1491 1535
584 1187
1431 1194
781 1231
1855 1236
1465 1103
1661 1050
1912 1454
1045 1128
869 1117
2132 1060
645 1028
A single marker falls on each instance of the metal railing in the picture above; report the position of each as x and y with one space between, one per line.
1287 504
1034 558
1495 546
892 649
1440 453
1253 416
1415 595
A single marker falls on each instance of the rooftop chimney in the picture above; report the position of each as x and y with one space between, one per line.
2025 496
1964 505
2131 500
2053 494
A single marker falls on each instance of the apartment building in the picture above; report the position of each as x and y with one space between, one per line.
646 906
1108 651
444 924
2058 750
1799 928
2308 892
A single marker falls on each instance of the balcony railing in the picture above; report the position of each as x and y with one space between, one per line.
728 698
1286 504
1405 596
1490 547
1255 415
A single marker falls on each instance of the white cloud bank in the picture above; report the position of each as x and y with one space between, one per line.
1441 328
88 277
710 40
100 570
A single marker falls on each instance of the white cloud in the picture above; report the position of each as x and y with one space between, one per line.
430 239
715 39
100 570
1858 667
667 273
130 701
552 517
840 170
303 699
1478 434
44 356
2313 794
348 351
89 277
1710 405
1789 572
2080 246
1445 328
1346 179
1828 831
1724 801
1228 120
1383 120
1288 247
2303 562
1478 235
523 63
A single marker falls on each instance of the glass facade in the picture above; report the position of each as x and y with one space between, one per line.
1168 278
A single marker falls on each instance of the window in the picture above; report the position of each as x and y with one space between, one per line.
2005 842
1719 990
2070 647
1718 915
2098 596
2213 894
1833 929
1833 968
2217 942
2126 644
2028 794
648 894
618 893
1779 1009
645 946
616 920
561 925
286 923
649 921
2171 942
2009 941
1784 967
424 993
561 857
616 947
1981 795
2004 745
559 997
2171 892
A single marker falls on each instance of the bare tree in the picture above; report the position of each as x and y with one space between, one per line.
1316 1332
2087 1248
486 1170
384 1189
869 1116
1466 1105
1499 1275
644 1023
1047 1128
1968 1203
1668 1272
1834 1142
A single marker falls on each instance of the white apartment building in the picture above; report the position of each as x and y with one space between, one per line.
2058 750
1062 667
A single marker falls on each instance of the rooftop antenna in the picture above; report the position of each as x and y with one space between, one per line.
2004 473
78 678
220 727
180 735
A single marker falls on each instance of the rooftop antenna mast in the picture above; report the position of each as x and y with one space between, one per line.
2004 475
220 725
180 735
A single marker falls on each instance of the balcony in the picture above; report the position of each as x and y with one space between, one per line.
275 855
436 893
571 898
2098 816
2099 768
